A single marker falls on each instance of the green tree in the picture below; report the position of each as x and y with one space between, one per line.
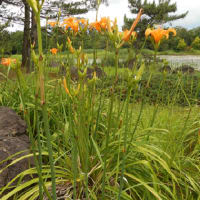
196 43
184 34
16 39
181 45
5 47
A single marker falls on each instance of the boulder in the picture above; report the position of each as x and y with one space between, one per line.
13 139
90 72
185 69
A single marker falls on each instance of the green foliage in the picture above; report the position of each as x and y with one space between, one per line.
164 88
184 34
4 38
154 158
16 42
106 138
179 89
196 43
51 8
11 42
181 45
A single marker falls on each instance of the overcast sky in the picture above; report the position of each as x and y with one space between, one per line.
117 8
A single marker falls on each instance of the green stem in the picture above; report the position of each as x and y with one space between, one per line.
155 54
151 72
116 63
74 150
112 91
125 144
107 142
44 106
27 117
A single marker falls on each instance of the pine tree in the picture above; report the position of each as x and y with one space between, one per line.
153 13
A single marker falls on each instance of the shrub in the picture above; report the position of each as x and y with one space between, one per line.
165 89
196 43
181 45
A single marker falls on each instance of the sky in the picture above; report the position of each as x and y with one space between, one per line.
118 8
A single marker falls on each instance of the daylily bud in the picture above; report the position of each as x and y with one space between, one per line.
94 79
99 2
76 91
33 5
108 25
65 87
69 44
34 57
86 59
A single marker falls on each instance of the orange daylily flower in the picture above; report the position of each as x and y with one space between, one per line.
7 61
69 19
103 22
158 34
72 23
83 21
126 36
172 30
54 51
52 24
96 25
74 26
83 24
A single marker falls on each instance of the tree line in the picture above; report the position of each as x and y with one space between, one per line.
19 42
12 42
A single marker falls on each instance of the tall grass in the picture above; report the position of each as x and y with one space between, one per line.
160 160
94 139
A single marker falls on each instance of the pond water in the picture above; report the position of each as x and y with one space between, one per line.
174 61
177 61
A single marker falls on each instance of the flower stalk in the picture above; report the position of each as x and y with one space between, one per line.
36 6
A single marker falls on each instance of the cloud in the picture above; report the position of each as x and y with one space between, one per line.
192 19
118 8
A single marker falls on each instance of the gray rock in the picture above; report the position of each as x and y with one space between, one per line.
99 72
10 123
13 139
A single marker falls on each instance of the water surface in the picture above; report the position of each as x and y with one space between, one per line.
177 61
